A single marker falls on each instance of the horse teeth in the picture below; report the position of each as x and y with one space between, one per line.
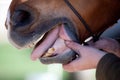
49 52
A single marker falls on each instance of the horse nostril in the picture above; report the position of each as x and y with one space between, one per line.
21 18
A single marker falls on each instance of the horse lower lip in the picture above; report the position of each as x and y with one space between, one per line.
63 58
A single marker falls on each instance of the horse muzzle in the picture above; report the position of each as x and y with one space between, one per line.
47 36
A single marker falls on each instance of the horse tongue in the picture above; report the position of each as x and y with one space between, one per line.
55 39
59 52
46 44
59 46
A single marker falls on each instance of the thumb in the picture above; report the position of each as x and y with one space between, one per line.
74 46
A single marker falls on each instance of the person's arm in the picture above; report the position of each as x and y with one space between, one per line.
107 44
108 68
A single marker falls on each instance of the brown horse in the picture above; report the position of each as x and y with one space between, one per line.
46 24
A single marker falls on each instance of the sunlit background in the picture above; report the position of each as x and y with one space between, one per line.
16 64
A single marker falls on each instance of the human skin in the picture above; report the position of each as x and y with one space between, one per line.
107 44
89 57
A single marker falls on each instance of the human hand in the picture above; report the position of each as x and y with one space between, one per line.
89 57
107 44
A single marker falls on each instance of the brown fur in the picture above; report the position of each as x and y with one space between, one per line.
99 14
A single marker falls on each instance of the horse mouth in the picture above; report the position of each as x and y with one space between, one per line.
51 47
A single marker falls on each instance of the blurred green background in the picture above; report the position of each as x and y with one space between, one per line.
16 64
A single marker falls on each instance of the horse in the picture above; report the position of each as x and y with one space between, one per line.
46 24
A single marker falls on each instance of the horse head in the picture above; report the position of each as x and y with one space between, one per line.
46 24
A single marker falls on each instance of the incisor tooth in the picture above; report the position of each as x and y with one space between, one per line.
49 52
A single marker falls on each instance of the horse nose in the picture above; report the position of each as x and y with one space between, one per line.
21 18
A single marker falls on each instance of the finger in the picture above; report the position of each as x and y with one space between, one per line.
92 43
73 66
102 44
74 46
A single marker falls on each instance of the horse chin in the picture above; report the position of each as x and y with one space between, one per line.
52 49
